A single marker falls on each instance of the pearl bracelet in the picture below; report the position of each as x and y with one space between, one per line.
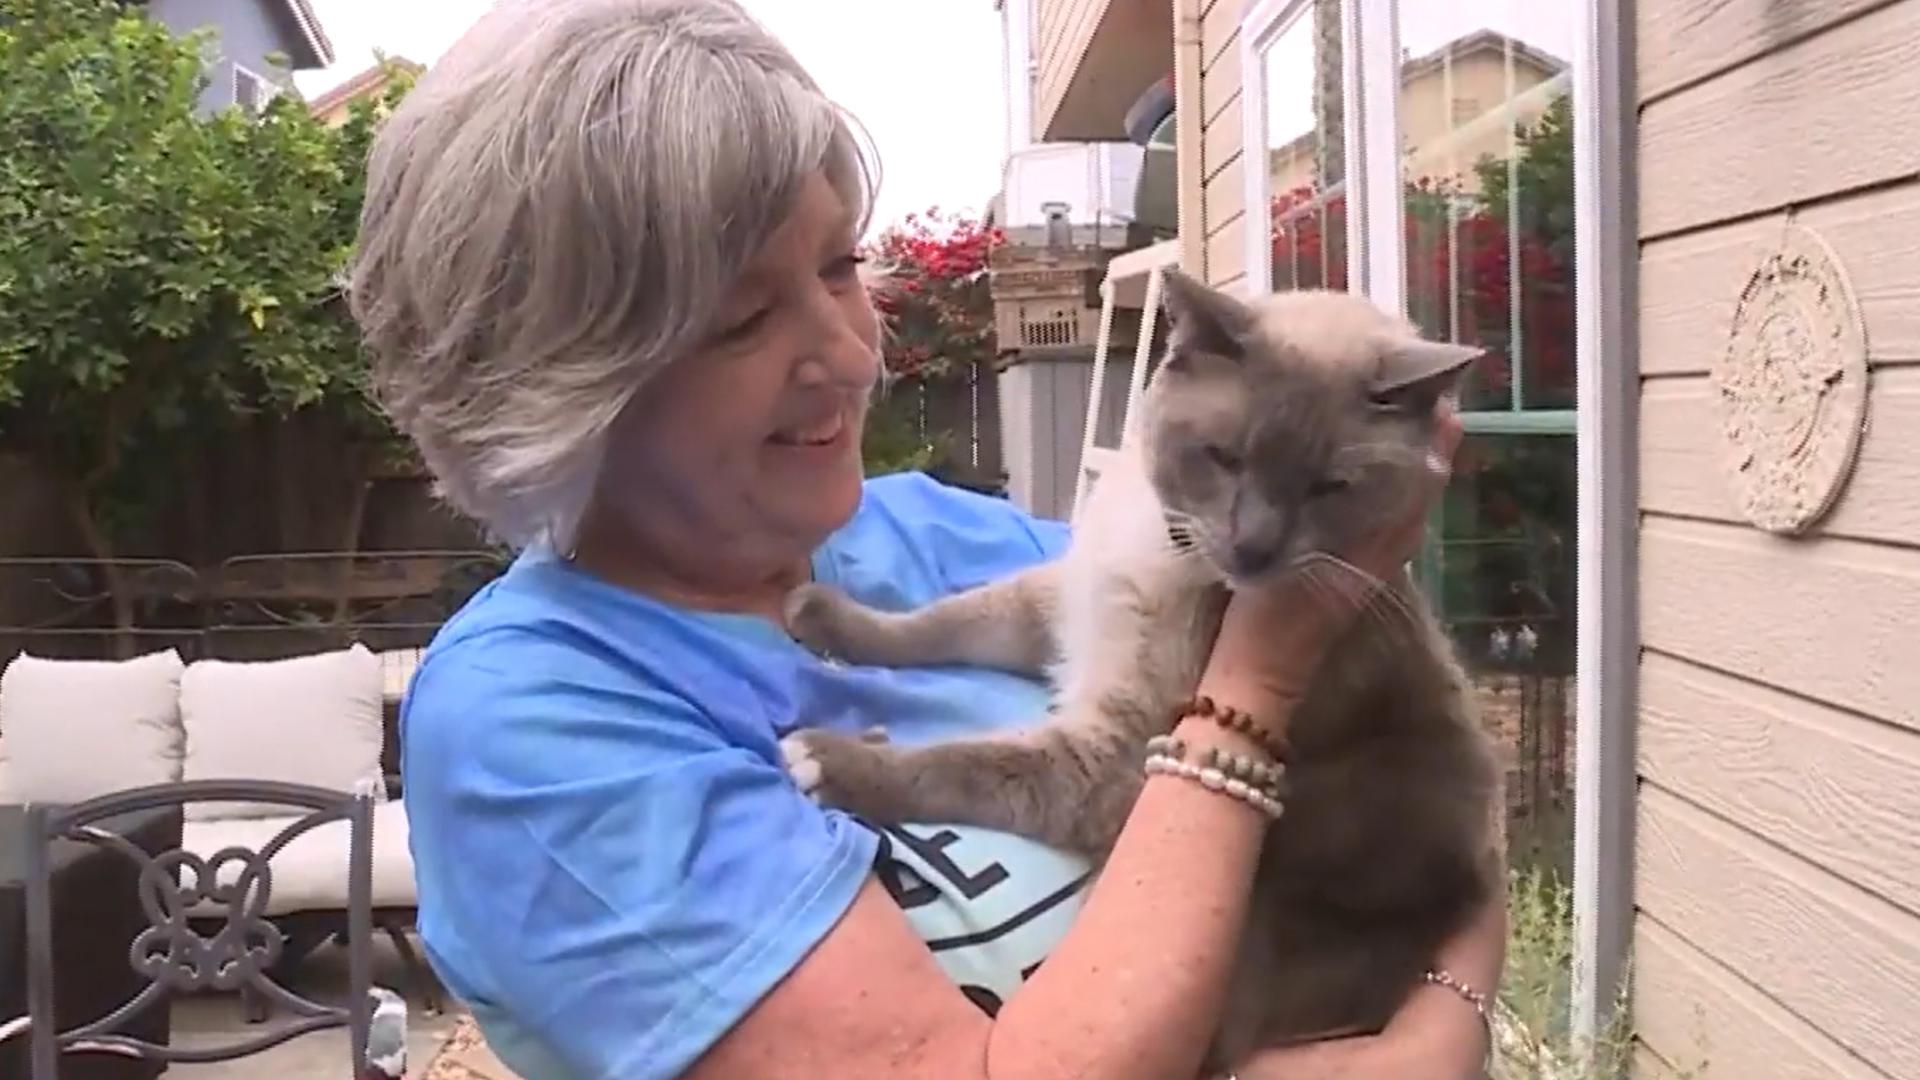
1252 782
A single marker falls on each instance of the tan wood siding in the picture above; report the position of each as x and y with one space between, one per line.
1690 284
1223 138
1845 961
1222 143
1220 83
1696 1015
1777 874
1683 465
1684 41
1227 251
1835 620
1841 790
1821 117
1064 30
1220 29
1224 202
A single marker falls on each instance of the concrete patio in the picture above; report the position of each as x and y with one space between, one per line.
215 1019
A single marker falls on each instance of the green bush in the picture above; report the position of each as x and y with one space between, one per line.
1532 1034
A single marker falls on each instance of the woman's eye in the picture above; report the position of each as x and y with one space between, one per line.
1223 457
845 267
1331 485
745 327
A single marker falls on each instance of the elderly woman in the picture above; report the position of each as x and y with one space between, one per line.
609 269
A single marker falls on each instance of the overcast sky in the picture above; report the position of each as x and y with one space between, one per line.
922 75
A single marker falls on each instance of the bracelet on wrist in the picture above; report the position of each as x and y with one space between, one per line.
1237 776
1446 980
1238 721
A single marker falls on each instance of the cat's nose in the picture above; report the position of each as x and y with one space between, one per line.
1251 559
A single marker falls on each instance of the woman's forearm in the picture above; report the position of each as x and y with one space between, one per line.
1135 989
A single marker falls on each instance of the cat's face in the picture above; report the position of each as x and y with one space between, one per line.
1290 425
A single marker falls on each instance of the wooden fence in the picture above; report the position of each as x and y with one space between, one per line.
959 417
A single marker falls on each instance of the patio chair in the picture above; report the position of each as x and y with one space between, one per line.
173 953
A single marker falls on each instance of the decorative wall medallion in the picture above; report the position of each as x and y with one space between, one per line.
1792 385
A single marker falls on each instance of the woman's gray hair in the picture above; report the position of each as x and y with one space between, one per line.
555 212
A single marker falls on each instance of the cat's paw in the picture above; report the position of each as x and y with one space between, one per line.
802 764
828 622
847 771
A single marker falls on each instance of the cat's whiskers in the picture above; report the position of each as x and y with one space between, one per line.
1374 599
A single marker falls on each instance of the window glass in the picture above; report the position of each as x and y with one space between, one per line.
1301 72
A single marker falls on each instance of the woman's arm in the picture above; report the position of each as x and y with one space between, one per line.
1133 991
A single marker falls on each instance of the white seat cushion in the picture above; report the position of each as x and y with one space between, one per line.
77 729
310 873
309 720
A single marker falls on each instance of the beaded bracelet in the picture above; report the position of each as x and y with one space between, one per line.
1446 980
1205 708
1255 783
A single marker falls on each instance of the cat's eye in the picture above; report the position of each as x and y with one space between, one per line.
1223 457
1330 485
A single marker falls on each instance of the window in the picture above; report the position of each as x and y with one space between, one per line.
1294 112
1488 196
1451 200
250 91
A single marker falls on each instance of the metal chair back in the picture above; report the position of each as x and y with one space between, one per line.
181 893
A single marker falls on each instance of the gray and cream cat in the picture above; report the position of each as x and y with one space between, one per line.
1276 432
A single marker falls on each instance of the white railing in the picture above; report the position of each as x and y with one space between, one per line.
1132 278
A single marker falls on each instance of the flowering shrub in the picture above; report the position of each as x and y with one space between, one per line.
1460 261
934 294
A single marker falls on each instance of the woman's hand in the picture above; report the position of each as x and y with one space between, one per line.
1437 1034
1271 640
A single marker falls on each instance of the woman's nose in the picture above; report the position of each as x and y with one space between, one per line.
838 351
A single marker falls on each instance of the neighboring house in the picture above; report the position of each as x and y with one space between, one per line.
260 44
1457 105
1748 740
334 106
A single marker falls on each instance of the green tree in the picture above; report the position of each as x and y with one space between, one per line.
1538 194
164 275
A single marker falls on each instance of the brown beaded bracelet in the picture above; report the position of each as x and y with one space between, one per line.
1205 708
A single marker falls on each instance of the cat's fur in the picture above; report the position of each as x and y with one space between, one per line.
1276 431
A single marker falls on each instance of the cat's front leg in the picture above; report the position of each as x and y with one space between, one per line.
1066 788
1007 624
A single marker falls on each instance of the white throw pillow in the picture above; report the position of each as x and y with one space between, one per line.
76 729
309 720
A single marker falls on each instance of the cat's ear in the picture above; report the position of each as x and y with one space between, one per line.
1414 373
1201 320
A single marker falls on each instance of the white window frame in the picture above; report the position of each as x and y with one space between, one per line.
1607 637
267 89
1370 121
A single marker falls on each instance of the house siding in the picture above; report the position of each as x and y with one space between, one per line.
1061 38
247 32
1777 876
1224 196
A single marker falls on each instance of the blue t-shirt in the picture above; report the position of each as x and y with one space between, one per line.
613 865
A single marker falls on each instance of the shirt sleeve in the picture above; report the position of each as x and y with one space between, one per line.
625 880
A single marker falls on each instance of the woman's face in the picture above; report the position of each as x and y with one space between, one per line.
750 448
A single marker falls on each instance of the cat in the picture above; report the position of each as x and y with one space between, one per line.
1275 433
